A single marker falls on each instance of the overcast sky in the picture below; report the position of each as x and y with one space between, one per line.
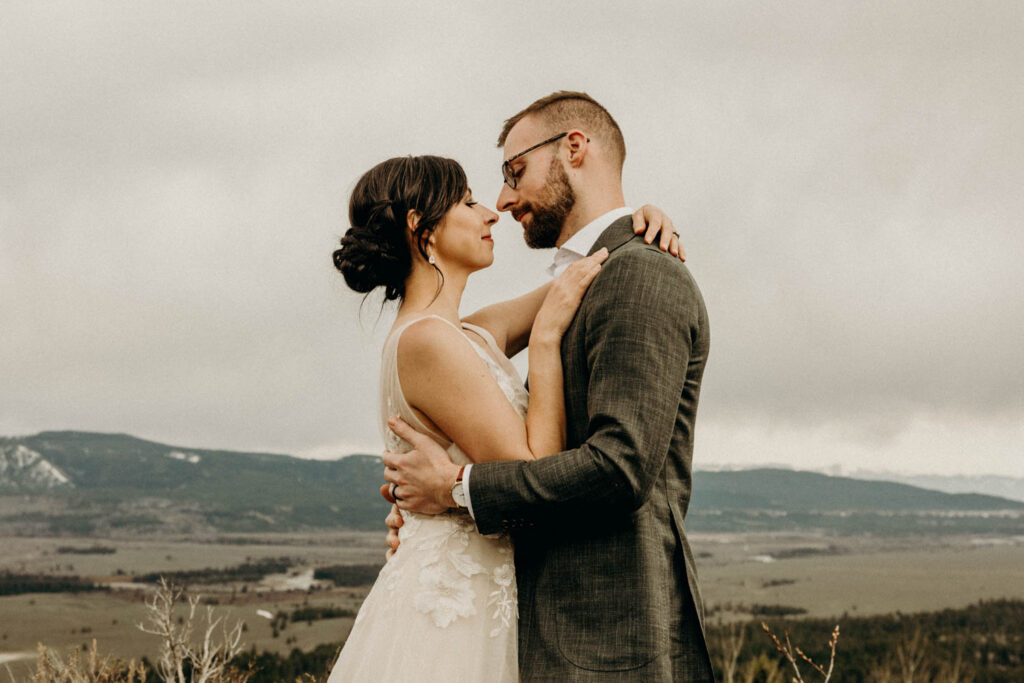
846 176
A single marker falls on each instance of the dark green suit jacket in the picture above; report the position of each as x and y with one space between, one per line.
607 584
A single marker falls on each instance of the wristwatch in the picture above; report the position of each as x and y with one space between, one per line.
458 492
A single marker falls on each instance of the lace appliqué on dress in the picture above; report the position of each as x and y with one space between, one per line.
445 564
511 386
446 568
506 607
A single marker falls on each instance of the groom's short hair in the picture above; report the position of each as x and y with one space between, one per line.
566 109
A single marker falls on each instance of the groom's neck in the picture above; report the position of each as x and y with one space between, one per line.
590 205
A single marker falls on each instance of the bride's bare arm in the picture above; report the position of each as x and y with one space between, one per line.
510 322
449 385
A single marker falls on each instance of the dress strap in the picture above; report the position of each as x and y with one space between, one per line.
485 335
397 332
497 352
391 385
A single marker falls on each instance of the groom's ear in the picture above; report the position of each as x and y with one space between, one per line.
578 147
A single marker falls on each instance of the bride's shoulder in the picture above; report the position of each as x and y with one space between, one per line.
433 357
427 337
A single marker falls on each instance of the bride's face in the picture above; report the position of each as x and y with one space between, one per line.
463 239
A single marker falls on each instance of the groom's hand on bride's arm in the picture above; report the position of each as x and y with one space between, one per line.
422 477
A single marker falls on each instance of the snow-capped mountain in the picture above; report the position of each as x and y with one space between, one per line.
23 469
117 482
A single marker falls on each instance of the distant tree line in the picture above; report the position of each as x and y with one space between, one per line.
247 571
348 574
89 550
311 613
755 610
17 584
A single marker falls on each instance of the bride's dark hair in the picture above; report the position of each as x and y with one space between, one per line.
375 251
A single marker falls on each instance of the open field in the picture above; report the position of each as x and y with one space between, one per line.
64 620
919 577
141 556
825 576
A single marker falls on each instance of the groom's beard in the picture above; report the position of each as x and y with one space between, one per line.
547 219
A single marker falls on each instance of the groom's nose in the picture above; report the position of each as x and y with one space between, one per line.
506 198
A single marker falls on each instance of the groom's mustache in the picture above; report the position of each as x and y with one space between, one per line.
520 211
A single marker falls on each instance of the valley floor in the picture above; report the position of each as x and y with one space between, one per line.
814 576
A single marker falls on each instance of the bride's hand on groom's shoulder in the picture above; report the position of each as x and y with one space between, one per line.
563 298
655 224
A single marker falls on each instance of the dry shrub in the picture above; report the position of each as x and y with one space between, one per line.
182 659
916 662
793 654
761 668
210 662
90 668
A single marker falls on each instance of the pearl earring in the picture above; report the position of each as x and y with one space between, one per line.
430 259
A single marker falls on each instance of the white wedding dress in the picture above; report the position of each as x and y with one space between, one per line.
443 608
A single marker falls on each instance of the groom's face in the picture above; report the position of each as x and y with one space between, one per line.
543 196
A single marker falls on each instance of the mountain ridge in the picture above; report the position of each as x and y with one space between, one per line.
734 490
118 481
999 485
138 483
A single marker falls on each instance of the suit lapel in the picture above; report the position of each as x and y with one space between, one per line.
615 235
574 353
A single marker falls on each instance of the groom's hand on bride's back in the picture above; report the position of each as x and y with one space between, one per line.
420 479
394 522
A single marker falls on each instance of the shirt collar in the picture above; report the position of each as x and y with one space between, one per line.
580 244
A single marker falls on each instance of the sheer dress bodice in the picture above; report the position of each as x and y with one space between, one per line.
444 606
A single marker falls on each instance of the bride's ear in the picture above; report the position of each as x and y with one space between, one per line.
412 219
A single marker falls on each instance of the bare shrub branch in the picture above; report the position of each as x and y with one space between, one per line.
791 653
730 643
211 662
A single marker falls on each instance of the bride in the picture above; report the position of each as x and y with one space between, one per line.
444 607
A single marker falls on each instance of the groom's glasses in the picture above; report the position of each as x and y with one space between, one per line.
511 178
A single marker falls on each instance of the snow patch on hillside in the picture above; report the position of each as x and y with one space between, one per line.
184 457
25 469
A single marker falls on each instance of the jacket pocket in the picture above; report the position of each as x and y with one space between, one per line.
604 596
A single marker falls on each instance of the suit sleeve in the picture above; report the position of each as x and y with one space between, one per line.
640 318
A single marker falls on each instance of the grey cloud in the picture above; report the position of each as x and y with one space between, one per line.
172 181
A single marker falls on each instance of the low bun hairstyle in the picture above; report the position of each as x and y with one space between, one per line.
375 251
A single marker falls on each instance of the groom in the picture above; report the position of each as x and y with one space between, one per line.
607 585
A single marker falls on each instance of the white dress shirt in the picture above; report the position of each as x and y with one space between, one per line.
575 248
